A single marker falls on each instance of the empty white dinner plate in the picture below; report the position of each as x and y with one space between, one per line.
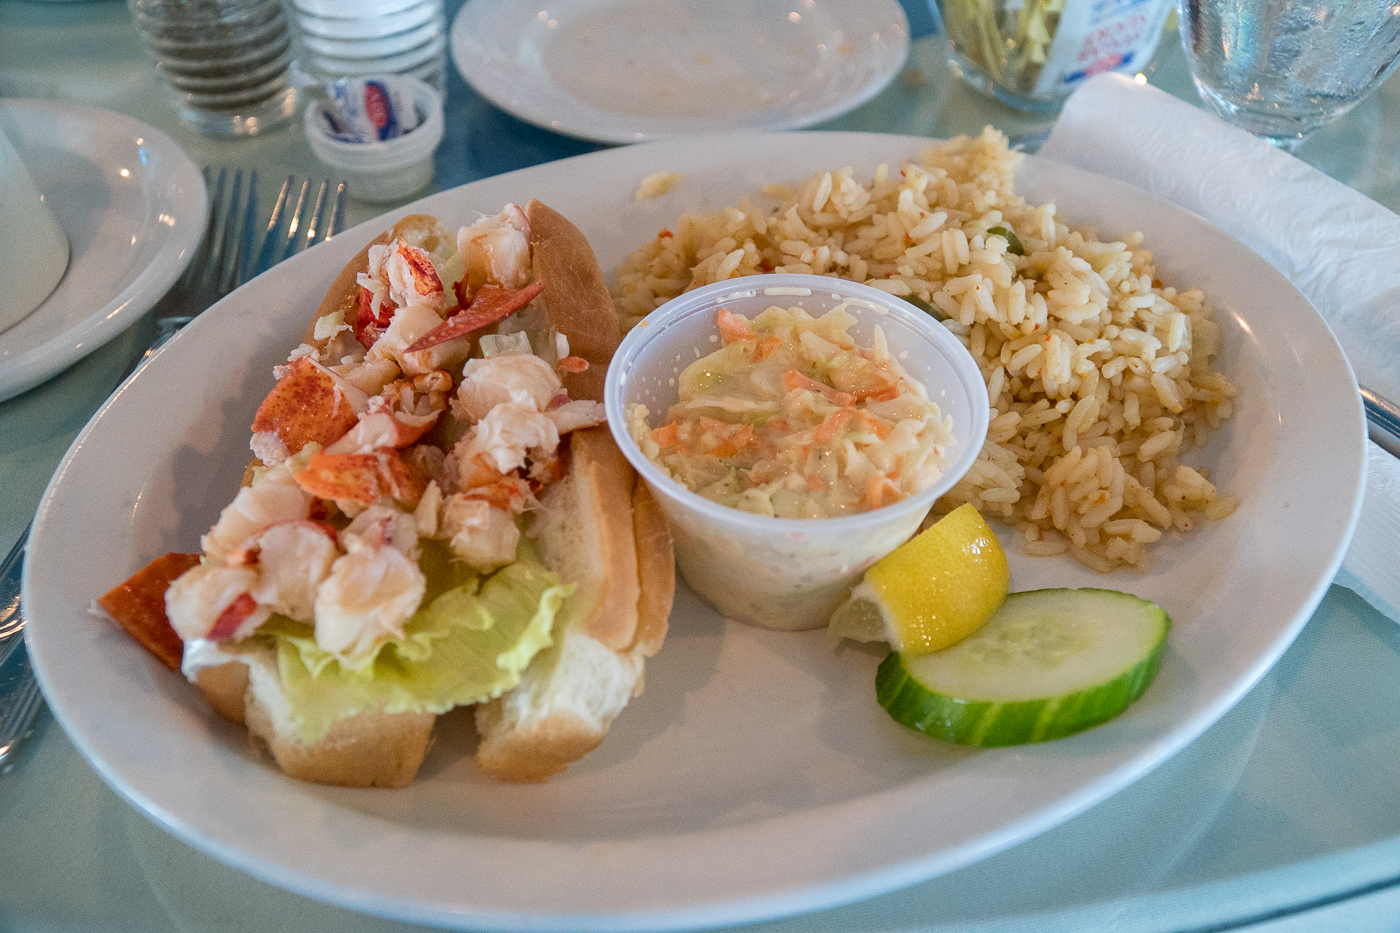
624 71
133 206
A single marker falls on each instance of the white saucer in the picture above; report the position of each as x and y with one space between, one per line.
133 206
624 71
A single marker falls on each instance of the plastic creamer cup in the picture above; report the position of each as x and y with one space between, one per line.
387 170
787 573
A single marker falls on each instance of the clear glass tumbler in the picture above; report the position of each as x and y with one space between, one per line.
1282 68
1032 54
225 63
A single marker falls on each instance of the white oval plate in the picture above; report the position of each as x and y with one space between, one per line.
133 206
757 776
625 71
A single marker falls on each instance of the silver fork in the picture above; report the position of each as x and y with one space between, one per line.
224 260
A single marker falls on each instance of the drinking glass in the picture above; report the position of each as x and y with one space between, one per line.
1282 68
1032 54
360 38
225 63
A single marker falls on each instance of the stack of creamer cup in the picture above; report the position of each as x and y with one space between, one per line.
359 38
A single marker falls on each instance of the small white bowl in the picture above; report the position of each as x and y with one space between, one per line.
390 170
787 573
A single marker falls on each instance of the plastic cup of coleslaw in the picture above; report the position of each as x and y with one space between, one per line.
787 573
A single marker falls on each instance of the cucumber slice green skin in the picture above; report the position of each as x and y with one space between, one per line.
991 723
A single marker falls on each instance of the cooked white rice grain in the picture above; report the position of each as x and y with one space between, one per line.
1099 376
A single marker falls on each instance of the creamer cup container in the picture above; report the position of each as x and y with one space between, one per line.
777 573
385 170
33 244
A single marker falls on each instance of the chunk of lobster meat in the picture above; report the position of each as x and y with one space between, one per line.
496 250
138 606
482 535
520 378
506 439
398 339
580 413
372 317
400 415
428 460
362 478
491 305
511 494
371 592
368 376
386 526
427 514
307 404
398 275
215 603
291 560
271 501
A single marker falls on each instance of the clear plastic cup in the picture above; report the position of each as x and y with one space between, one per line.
787 574
389 170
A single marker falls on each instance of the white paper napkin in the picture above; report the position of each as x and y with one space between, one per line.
1341 250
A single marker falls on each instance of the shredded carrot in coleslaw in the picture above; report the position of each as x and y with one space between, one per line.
791 418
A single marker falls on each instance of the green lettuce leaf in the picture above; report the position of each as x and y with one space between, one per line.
468 642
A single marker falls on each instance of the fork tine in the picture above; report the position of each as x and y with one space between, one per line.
231 234
211 270
269 242
313 225
194 270
245 239
295 226
337 212
294 223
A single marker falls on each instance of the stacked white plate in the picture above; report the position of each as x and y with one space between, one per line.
358 38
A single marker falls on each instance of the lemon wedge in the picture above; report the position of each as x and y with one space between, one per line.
932 591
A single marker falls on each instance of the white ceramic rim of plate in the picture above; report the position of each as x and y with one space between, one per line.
173 185
487 60
126 716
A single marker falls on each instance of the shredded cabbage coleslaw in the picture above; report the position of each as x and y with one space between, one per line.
791 419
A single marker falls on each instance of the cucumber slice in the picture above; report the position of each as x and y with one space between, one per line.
1048 664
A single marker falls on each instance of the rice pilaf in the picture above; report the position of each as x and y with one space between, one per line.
1099 377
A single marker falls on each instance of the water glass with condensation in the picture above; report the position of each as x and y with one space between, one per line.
1032 54
1283 68
225 63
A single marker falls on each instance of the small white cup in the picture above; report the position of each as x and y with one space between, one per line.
33 244
787 574
390 170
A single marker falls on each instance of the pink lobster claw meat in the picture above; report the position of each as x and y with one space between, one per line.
306 405
363 478
491 304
